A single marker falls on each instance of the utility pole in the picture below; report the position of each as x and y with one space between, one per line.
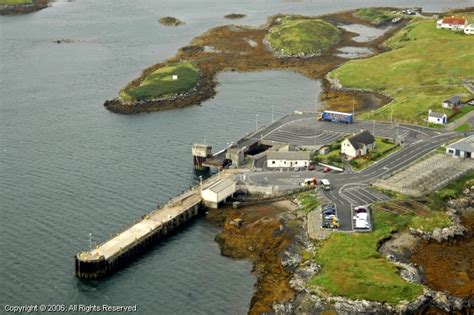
391 112
90 241
256 122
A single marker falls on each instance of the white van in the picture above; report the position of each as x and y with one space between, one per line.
325 184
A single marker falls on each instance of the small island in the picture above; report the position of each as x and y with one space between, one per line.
14 7
170 21
235 16
307 45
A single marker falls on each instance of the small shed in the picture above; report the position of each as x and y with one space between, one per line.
324 150
437 118
218 192
453 102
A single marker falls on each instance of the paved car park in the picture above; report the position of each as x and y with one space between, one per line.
347 188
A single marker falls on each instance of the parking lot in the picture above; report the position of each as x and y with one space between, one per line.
362 195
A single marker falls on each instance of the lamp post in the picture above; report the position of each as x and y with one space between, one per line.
90 241
272 113
391 112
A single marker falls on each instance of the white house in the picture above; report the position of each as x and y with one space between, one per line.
437 118
358 145
452 23
463 148
469 29
218 192
288 159
453 102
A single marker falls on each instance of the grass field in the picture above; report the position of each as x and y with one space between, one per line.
303 36
352 266
463 127
15 2
424 67
382 149
308 200
160 83
374 16
451 191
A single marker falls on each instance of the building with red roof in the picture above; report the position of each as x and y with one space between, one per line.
452 23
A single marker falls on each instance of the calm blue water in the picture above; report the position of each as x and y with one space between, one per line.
69 167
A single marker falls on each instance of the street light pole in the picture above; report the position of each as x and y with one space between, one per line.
391 112
90 241
272 113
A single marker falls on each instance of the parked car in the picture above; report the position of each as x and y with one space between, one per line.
329 212
311 167
328 206
326 169
360 210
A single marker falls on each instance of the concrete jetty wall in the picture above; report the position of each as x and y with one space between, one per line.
118 251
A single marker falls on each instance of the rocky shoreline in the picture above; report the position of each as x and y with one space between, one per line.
24 8
274 238
243 49
398 249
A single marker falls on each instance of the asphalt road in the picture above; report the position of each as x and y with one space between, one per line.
348 189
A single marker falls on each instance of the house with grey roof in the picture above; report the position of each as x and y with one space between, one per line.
453 102
463 148
289 159
437 118
358 145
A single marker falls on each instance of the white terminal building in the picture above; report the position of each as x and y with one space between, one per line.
290 159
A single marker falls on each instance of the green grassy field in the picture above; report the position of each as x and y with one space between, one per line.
160 83
463 127
308 200
303 36
451 191
15 2
352 266
374 16
382 149
424 67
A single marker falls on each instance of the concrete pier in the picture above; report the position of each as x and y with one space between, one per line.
125 246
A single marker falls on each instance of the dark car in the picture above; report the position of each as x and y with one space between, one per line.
329 212
328 206
311 167
360 210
